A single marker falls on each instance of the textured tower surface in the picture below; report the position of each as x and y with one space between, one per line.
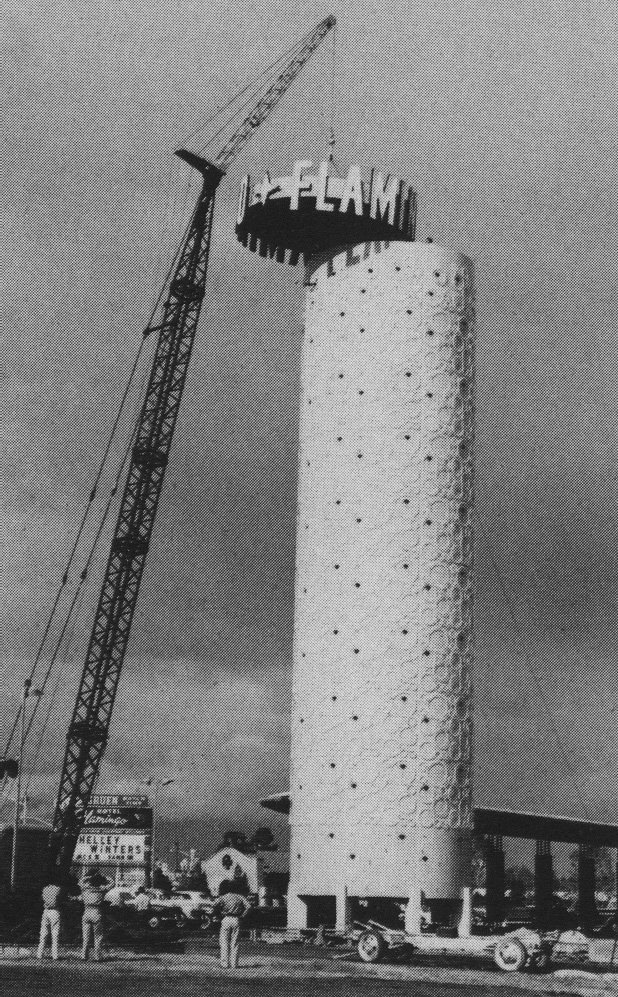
381 739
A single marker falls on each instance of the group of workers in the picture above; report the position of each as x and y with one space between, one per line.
93 887
232 904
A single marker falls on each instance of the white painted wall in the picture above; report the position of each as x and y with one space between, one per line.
381 739
222 864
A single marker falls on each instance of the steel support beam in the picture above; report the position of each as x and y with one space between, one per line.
586 886
494 878
543 882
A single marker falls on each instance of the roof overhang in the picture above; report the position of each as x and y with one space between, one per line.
544 827
513 824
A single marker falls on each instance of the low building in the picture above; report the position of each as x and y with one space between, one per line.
230 864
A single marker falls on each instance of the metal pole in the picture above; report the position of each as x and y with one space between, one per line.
22 738
158 784
152 837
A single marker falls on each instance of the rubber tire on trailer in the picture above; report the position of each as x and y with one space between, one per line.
510 955
371 946
541 962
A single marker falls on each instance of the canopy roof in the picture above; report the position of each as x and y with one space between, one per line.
514 824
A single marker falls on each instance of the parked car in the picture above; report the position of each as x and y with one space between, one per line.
126 921
193 902
194 905
162 918
120 896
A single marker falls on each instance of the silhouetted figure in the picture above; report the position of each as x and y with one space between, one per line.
94 887
233 906
51 921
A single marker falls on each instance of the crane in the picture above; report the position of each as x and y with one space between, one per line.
89 727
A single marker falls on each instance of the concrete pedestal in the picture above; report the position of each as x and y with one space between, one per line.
381 723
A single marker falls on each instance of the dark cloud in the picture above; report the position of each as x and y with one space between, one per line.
501 118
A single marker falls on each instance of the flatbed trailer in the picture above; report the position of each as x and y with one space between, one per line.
520 950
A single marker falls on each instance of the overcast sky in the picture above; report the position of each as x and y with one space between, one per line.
505 120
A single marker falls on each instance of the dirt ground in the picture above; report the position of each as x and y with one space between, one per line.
271 971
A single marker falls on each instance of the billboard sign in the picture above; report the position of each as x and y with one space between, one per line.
117 831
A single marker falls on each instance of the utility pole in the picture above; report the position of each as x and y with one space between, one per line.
158 784
22 738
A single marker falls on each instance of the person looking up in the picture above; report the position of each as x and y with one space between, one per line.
94 887
233 906
51 921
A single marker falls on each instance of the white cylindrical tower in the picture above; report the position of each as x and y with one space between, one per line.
381 741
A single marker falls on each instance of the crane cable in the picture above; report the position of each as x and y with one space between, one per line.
104 517
269 72
331 138
548 591
82 524
52 700
528 660
91 498
250 101
72 605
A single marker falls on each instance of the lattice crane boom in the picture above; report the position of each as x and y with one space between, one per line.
89 728
273 95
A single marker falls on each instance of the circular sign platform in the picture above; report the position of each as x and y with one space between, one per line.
306 214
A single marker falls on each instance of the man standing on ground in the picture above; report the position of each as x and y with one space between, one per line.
233 907
94 887
50 922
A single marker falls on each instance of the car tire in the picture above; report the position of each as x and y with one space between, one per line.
154 921
205 922
510 955
371 946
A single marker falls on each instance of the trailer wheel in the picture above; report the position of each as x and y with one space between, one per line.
371 946
510 955
541 962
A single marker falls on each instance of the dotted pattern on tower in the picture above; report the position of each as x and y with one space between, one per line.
382 727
